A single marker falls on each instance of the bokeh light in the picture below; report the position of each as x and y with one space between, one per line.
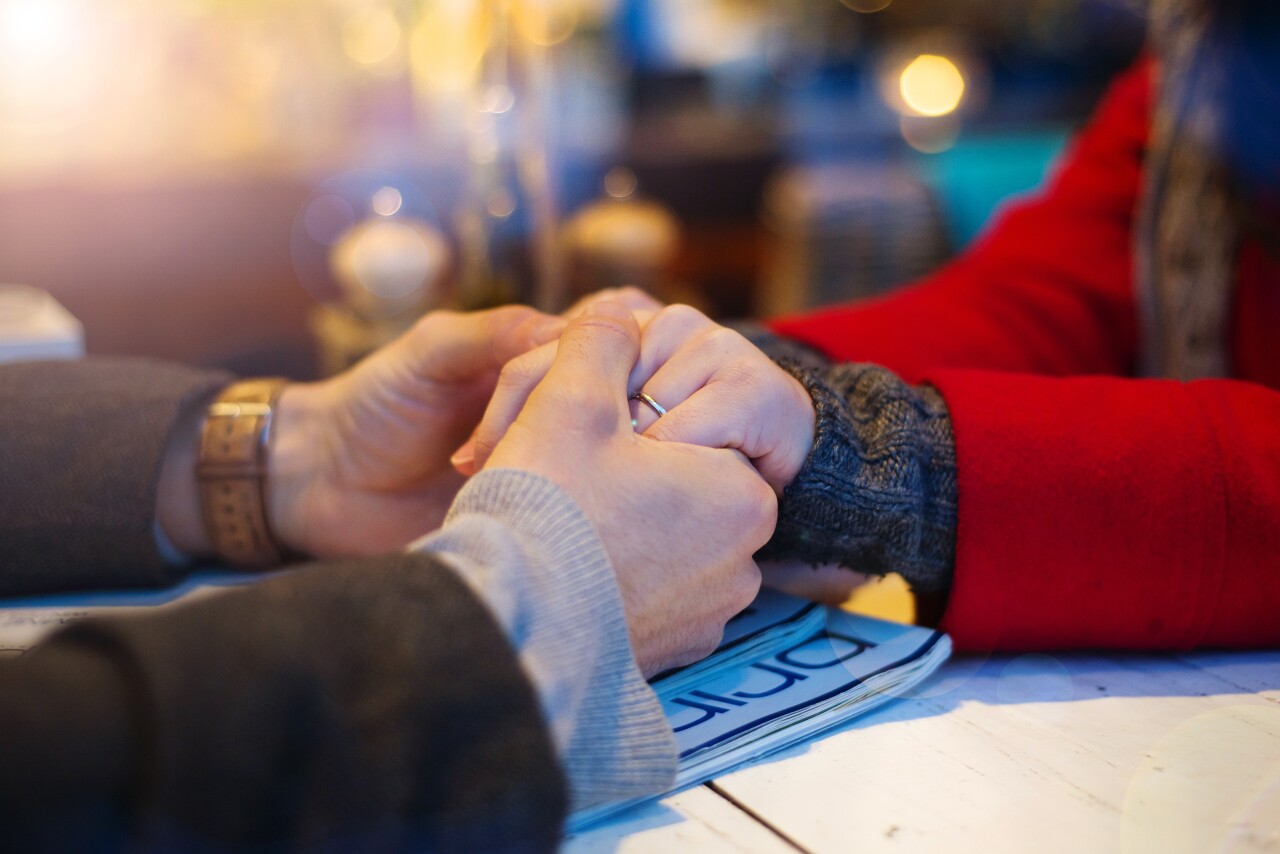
501 203
447 45
51 57
387 201
931 85
547 22
620 183
371 35
390 261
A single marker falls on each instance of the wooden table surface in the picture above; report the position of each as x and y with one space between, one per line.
1044 753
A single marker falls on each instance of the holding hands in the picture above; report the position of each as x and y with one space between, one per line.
716 389
680 522
360 462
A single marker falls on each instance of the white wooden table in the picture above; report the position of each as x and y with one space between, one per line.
1096 753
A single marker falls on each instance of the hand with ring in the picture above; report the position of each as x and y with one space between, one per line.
696 382
680 522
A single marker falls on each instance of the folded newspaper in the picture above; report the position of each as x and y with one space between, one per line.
786 671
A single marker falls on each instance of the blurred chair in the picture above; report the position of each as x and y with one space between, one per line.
846 231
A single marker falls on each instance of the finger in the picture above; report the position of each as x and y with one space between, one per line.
516 382
451 347
664 333
725 413
630 296
588 377
701 354
720 391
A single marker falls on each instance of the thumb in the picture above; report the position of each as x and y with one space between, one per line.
451 347
599 346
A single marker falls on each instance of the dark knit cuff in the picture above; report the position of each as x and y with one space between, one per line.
878 491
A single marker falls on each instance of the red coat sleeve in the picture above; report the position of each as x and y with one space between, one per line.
1105 512
1093 511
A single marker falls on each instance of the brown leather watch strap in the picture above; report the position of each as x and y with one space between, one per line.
232 473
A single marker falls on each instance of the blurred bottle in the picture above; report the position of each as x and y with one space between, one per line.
507 224
621 239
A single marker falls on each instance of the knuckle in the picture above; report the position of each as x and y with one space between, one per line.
602 324
663 430
684 316
765 511
722 343
507 316
520 373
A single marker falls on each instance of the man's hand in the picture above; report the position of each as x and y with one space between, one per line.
719 390
680 522
360 463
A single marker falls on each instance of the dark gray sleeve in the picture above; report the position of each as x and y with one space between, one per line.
80 450
369 703
878 492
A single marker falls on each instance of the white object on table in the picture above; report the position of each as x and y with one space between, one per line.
33 325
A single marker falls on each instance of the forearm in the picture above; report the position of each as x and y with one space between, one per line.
358 697
531 554
1109 513
369 678
85 446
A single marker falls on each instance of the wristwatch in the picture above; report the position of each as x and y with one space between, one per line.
231 470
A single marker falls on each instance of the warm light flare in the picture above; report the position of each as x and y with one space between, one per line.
30 29
447 45
371 36
931 85
547 22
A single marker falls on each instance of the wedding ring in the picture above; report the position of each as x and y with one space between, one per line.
658 409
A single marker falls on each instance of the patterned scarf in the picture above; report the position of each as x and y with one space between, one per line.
1188 232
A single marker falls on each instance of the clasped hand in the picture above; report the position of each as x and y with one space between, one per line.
682 502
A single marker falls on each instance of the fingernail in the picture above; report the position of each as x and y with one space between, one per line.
465 455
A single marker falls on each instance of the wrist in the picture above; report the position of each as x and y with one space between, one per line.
293 459
177 491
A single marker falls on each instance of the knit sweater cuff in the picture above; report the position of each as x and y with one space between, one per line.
878 491
531 554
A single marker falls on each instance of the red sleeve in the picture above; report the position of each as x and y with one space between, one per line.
1101 512
1093 511
1048 290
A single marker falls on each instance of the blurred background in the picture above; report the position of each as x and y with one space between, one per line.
275 186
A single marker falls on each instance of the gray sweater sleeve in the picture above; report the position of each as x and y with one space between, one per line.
363 703
878 492
532 555
84 441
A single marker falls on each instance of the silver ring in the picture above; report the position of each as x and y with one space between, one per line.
658 408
